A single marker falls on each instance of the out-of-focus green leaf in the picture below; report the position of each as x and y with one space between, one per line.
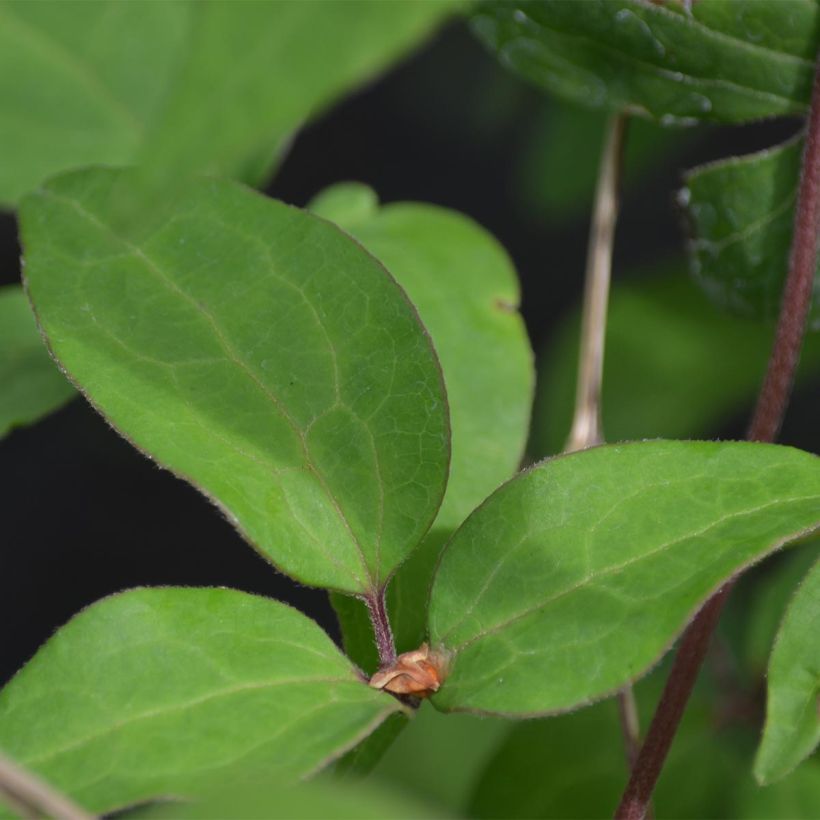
540 600
742 215
440 757
184 86
699 369
678 64
254 72
796 798
30 383
574 766
157 692
465 289
318 800
258 352
792 728
762 613
557 168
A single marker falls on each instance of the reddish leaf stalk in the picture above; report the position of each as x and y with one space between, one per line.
377 609
765 425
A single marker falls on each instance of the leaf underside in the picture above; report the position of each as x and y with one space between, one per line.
575 577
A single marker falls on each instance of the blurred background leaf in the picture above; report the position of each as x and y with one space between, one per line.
184 86
678 63
699 369
31 385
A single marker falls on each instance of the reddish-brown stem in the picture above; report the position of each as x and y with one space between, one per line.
766 421
377 609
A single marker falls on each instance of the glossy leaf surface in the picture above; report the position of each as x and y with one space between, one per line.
792 728
702 368
706 61
541 598
742 214
465 288
183 85
157 692
30 383
258 352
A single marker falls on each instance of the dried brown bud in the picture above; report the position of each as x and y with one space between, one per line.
418 673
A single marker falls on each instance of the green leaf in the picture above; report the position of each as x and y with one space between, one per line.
575 577
760 614
249 79
796 798
681 385
742 215
184 85
260 354
317 800
792 728
31 386
709 61
156 692
465 288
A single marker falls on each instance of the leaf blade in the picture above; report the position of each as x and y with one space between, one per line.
258 353
742 215
675 65
574 619
792 728
186 695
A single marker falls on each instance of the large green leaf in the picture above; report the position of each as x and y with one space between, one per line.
575 577
184 85
700 369
156 692
796 798
793 709
712 60
465 288
259 353
30 384
742 216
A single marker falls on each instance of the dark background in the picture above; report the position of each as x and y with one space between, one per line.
85 515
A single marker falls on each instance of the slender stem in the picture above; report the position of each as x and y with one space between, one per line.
33 797
768 416
630 724
586 426
377 609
